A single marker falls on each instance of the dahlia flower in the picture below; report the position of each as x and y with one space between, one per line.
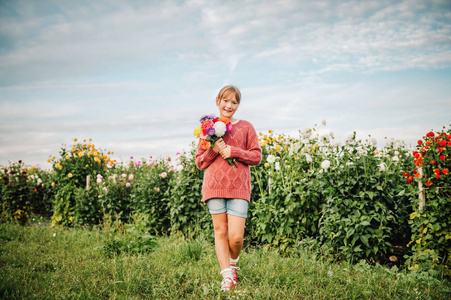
325 164
220 129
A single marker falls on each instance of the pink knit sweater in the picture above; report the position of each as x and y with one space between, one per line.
220 179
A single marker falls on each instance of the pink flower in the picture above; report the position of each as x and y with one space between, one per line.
127 184
171 168
131 157
157 189
229 126
178 153
130 177
124 175
163 175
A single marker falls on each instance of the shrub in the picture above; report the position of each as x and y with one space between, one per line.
16 193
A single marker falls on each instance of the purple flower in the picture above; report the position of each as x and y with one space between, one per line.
211 131
207 117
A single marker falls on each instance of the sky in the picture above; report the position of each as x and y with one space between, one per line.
135 76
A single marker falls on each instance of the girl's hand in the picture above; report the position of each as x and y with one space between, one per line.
226 152
219 145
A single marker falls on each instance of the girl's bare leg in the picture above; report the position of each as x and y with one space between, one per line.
221 239
236 232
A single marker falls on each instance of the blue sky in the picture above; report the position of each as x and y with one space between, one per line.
135 76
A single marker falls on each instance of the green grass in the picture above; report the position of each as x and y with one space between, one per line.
62 263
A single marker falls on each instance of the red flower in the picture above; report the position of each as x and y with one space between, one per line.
445 171
432 162
440 150
6 170
417 175
442 143
430 134
449 143
438 176
428 183
448 137
409 180
405 174
437 171
420 142
414 171
12 172
442 157
35 190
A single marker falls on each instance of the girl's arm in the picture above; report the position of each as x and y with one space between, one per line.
204 158
253 154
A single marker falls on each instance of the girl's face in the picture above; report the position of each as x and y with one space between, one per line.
227 105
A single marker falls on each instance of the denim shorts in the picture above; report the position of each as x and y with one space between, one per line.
234 207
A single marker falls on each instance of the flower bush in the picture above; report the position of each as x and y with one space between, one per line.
431 219
71 171
16 193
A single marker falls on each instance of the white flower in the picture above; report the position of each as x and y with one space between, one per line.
325 138
220 129
308 158
270 159
350 139
395 159
396 153
99 176
179 168
349 163
331 134
277 166
99 180
382 167
306 133
54 234
373 141
325 164
324 122
105 189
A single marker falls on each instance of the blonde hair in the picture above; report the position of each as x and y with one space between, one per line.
230 89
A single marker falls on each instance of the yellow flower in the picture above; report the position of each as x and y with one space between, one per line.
71 218
316 145
73 148
265 136
67 156
90 140
266 164
80 153
112 152
69 175
270 131
285 147
260 133
197 131
52 184
262 144
48 160
53 157
84 141
277 148
280 138
109 153
86 166
75 140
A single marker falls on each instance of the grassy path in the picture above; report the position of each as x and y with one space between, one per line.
61 263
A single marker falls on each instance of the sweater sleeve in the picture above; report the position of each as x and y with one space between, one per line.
253 154
204 158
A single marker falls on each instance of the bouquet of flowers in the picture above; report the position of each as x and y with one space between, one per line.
210 130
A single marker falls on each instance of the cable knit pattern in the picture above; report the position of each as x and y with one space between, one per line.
220 179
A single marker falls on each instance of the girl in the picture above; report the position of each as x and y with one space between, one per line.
227 190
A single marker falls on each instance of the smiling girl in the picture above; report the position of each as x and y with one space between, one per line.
227 190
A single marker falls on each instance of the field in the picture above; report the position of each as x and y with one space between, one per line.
42 262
